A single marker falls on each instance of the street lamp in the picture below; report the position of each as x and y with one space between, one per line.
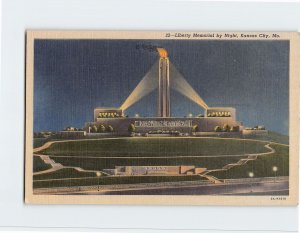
98 174
251 175
275 169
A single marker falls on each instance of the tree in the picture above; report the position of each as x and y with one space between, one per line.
195 128
94 129
110 128
226 128
235 128
131 128
218 129
101 129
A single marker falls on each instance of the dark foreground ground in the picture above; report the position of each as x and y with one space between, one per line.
259 188
265 186
280 188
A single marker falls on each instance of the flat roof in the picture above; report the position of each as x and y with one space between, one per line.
106 108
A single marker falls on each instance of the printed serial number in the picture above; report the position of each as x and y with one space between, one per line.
278 198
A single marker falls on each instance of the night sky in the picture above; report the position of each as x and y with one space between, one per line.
72 77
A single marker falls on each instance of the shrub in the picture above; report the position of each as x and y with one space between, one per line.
110 128
195 128
218 129
131 128
234 128
94 129
226 128
101 129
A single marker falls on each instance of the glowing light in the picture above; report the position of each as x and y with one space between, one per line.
145 87
179 84
150 82
162 52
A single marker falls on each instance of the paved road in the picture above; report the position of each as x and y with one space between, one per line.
256 186
216 189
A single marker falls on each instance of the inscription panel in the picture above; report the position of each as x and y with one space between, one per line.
163 123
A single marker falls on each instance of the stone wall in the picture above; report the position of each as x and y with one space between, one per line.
205 124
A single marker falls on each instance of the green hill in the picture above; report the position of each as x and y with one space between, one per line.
272 137
154 147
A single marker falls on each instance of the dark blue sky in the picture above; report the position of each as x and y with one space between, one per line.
72 77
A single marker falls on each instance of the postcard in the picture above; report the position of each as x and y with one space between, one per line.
170 118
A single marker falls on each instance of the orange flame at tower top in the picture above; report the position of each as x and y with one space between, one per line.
162 52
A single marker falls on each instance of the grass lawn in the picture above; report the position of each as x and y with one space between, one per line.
101 163
37 142
108 180
271 136
39 165
156 147
64 173
153 147
261 167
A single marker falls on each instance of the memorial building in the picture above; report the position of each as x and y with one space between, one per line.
163 77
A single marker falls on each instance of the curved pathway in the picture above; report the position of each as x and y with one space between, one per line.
58 166
54 166
238 163
48 144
